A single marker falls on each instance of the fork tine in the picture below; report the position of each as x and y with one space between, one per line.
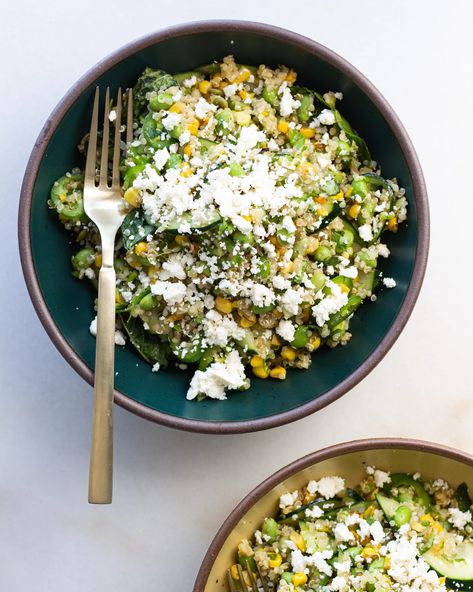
116 142
89 175
254 585
231 583
129 119
105 137
262 580
242 579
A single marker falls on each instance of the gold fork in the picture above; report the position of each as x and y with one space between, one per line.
247 581
102 203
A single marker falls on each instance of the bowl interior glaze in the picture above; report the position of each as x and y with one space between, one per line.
65 304
346 460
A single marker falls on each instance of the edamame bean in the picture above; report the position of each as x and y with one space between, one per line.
301 337
322 253
161 101
402 516
305 108
264 269
287 576
174 160
83 259
270 529
236 170
148 302
270 95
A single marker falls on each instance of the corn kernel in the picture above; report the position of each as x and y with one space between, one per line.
204 86
312 245
153 271
314 342
387 563
369 552
193 126
234 572
141 248
243 76
283 126
275 561
187 149
349 191
291 76
245 323
275 341
261 372
182 239
298 540
426 518
278 372
174 317
339 196
118 297
132 196
442 580
98 259
392 224
177 107
299 579
223 305
288 353
243 94
321 200
62 197
186 170
354 210
242 117
307 132
256 362
248 218
289 268
344 288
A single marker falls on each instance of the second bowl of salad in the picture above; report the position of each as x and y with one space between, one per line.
275 237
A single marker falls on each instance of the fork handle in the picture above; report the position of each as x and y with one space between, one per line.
101 454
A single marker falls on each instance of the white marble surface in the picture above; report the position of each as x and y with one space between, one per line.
173 490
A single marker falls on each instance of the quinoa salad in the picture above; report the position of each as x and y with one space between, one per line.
255 221
391 532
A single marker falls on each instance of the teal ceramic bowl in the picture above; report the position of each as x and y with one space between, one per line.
65 305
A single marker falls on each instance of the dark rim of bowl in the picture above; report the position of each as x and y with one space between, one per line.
302 463
420 192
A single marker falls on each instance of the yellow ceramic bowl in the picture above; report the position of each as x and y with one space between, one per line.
347 460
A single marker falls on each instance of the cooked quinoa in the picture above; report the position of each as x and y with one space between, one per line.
254 223
391 532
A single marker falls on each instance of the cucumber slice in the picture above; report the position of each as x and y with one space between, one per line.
460 568
248 342
388 505
182 76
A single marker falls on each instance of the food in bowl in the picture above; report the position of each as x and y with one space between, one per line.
390 532
253 233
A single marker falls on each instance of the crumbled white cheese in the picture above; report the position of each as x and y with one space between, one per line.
202 108
171 120
218 378
329 486
288 103
326 117
342 533
366 233
389 282
156 367
458 518
190 82
287 499
112 115
381 478
119 337
286 330
329 304
161 157
377 532
172 292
